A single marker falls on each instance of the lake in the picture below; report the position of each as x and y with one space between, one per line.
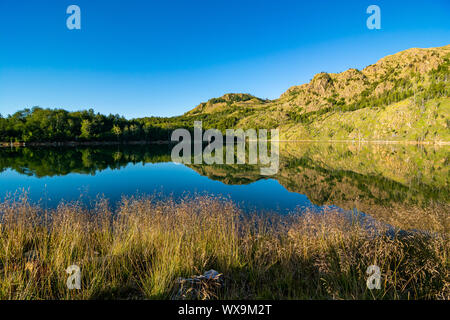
373 178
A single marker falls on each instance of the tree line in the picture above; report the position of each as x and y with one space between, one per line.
58 125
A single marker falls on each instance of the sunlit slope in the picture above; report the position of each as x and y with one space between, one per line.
397 121
405 96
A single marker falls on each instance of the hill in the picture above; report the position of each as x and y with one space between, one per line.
402 96
405 96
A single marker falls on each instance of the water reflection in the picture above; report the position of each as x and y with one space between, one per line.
375 179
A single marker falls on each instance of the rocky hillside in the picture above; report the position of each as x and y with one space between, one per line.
227 100
404 96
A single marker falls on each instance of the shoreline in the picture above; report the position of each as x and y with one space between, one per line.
441 143
77 143
160 142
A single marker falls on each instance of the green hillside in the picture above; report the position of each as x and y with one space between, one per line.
405 96
402 97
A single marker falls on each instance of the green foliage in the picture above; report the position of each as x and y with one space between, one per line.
308 117
413 86
57 125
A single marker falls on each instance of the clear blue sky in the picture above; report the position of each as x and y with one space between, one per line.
144 57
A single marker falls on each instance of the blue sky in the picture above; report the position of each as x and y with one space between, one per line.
144 57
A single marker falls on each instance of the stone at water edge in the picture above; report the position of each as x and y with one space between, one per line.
211 274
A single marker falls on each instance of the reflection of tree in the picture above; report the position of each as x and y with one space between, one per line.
43 162
86 158
117 156
327 174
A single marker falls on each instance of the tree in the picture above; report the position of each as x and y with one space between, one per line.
86 129
116 131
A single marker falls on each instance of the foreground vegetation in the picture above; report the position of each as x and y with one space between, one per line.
139 250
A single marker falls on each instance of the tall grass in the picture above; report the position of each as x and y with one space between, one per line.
139 250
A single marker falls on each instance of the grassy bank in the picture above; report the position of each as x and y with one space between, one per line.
139 251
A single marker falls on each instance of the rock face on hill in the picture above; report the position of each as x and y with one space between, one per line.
404 96
376 79
229 99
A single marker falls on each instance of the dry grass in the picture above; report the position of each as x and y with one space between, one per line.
139 250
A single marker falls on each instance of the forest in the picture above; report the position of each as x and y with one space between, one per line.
58 125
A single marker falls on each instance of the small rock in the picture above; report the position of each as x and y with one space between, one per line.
211 274
200 287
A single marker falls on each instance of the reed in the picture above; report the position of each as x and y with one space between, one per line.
139 249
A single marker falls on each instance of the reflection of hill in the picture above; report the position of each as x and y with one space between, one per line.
377 173
372 178
326 173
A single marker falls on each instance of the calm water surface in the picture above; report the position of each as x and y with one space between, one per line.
310 176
